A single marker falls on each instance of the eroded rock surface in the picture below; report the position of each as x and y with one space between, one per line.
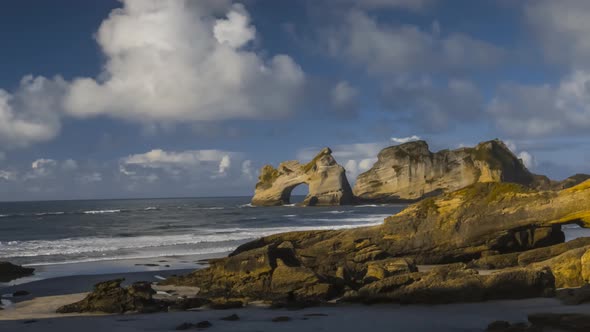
410 171
326 179
379 262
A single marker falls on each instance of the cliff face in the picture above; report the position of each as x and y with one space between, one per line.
326 179
410 171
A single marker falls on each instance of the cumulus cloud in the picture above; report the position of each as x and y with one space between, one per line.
190 164
402 140
540 110
32 113
344 98
433 107
387 48
173 61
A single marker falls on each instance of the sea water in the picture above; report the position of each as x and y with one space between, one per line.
57 232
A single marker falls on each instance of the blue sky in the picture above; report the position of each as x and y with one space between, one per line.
155 98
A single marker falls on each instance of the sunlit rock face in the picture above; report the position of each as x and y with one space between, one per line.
326 179
410 172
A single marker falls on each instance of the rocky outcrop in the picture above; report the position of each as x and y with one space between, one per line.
326 179
410 172
480 220
110 297
9 272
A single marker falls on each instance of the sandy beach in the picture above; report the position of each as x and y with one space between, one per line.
36 312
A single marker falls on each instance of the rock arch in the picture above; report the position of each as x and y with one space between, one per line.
326 179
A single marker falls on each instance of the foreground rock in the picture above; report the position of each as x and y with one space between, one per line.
9 272
110 297
326 179
410 171
376 263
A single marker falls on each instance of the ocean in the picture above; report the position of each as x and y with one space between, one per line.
58 232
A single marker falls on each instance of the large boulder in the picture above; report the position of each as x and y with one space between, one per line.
411 171
326 179
9 271
110 297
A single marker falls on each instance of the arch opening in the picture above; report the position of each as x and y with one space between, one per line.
295 194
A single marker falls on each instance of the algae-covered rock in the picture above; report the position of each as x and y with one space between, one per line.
326 179
482 220
110 297
568 267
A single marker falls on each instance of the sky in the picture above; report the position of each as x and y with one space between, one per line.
157 98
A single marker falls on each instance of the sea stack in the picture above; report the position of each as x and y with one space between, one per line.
410 172
326 179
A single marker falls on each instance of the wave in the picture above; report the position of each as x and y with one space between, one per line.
49 213
371 218
151 208
102 211
104 246
211 208
338 212
249 205
205 251
366 205
290 215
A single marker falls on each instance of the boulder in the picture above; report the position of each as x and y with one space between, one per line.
410 171
326 179
568 267
9 272
110 297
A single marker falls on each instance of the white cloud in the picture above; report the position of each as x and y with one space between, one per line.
402 140
172 61
562 28
344 97
386 49
236 30
527 159
224 165
31 114
541 110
